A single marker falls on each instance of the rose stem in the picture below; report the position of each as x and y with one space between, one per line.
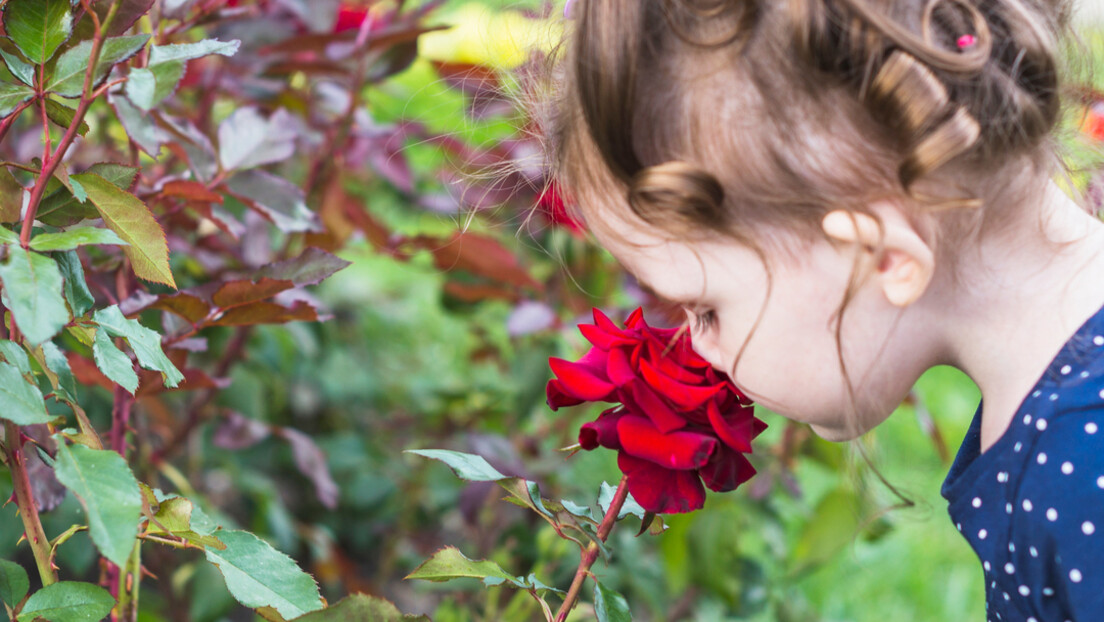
28 511
590 555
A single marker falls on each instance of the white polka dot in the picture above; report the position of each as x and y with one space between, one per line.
1007 597
1067 467
1034 551
987 566
994 586
1009 568
1008 508
1002 477
1027 505
1088 528
1011 548
1098 340
1090 428
1025 591
1031 619
983 534
1027 420
1084 374
1048 591
1066 369
1052 515
976 502
1035 394
1018 446
1075 575
1100 482
1041 458
1041 424
959 526
1053 396
1101 394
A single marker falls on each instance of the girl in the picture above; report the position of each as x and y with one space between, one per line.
845 193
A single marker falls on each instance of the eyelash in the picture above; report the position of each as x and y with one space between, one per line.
704 320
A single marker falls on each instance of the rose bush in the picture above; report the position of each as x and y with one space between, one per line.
680 425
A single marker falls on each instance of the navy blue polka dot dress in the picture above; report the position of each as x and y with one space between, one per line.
1032 505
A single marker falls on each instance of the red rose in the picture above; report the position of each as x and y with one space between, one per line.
553 205
679 423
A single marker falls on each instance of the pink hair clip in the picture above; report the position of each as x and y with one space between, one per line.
966 41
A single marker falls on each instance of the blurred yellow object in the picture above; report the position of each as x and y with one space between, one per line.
480 35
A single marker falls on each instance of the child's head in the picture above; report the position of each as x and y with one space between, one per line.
722 122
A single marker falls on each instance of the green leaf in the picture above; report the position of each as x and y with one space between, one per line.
188 51
68 76
276 198
7 236
449 563
469 467
13 583
126 215
19 69
360 608
63 116
174 516
138 126
76 290
311 267
582 511
605 498
834 523
68 601
32 290
58 203
72 238
15 355
38 27
113 362
258 575
149 86
103 482
610 606
56 362
20 401
145 343
11 95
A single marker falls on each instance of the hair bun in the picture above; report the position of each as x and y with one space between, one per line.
678 188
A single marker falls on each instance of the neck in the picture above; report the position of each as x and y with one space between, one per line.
1017 301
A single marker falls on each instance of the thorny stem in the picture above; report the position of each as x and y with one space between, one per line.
28 511
87 97
590 554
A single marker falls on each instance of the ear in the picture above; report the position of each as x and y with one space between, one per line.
907 263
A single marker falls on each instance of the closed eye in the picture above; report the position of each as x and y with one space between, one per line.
704 320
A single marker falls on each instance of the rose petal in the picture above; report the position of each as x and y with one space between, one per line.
668 363
677 450
735 429
602 339
605 324
662 416
618 369
556 397
577 381
636 319
659 490
602 431
682 395
726 470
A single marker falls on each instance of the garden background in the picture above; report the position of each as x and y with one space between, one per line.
364 132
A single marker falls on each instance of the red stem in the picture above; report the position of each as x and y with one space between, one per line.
590 554
28 511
